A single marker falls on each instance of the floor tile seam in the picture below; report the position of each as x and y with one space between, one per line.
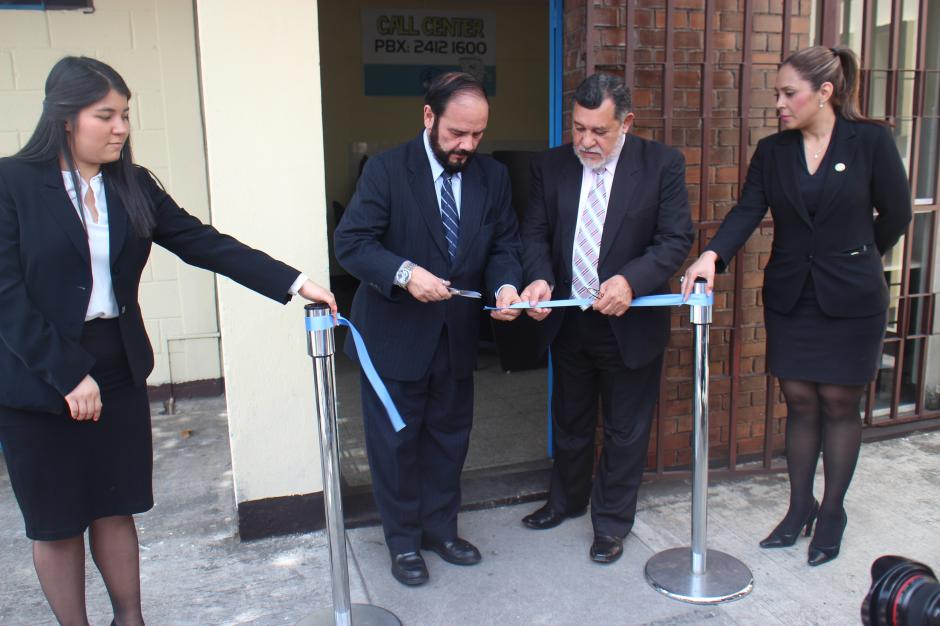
358 569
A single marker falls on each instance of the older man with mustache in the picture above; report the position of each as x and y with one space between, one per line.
608 219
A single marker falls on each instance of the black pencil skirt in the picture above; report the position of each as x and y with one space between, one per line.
67 473
806 344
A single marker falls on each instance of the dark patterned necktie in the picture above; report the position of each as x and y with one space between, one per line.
449 215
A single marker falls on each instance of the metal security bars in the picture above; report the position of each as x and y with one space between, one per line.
702 74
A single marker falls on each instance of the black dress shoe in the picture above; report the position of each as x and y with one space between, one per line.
547 517
408 568
457 551
817 555
606 549
784 538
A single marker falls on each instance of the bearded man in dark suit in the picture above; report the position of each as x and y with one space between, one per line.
428 217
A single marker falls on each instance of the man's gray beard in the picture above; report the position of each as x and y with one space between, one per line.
612 157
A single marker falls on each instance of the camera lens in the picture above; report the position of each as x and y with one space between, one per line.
903 593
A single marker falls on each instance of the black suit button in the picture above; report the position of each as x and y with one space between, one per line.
123 309
809 257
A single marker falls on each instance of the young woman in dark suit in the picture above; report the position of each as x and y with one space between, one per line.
825 296
74 354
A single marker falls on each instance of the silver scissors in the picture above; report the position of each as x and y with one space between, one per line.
466 293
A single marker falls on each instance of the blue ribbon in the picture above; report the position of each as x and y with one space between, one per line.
663 299
325 322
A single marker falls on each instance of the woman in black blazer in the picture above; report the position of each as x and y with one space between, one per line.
74 354
825 296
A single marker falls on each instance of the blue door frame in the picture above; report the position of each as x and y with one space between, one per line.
556 11
555 77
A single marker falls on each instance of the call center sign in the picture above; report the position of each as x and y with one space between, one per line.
404 49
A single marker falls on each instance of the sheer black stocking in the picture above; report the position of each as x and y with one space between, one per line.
820 418
114 547
803 442
60 566
842 439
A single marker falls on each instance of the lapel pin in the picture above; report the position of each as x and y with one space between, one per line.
840 167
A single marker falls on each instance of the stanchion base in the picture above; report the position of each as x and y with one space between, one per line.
725 578
362 615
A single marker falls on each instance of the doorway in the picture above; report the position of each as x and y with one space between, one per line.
372 101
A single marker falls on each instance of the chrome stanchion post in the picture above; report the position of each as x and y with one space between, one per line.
697 574
321 348
701 318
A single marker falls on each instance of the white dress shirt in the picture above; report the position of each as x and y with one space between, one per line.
102 302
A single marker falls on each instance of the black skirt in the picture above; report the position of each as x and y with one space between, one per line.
806 344
67 473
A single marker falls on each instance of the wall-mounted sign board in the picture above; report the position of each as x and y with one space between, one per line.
404 49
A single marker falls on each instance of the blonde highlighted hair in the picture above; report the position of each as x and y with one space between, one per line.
837 65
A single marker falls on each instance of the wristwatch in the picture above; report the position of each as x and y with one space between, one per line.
403 275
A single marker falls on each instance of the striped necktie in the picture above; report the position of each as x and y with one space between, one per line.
587 243
449 215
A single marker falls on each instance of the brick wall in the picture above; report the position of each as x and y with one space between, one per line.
709 133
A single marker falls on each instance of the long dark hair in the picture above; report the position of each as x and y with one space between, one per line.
73 84
839 66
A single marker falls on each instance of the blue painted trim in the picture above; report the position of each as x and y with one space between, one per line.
556 29
556 25
48 6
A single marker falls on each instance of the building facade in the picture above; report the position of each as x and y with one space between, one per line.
256 117
702 73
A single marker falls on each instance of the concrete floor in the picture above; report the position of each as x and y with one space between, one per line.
195 571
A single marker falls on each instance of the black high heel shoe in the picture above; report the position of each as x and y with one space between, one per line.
817 555
781 539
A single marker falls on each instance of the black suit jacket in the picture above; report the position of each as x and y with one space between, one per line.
394 216
841 246
647 234
45 279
